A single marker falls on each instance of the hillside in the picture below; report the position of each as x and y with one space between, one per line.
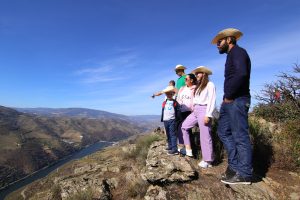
29 142
131 171
147 122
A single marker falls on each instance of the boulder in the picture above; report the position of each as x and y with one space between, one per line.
98 186
163 168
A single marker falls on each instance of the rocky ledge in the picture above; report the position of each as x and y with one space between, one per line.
115 174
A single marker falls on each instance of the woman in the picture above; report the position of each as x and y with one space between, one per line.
204 104
185 99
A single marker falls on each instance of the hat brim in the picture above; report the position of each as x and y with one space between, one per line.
227 33
203 70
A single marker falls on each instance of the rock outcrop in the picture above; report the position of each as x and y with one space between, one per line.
162 168
115 173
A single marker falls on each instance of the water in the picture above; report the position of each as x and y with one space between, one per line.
44 172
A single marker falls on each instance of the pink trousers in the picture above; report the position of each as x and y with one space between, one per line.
197 116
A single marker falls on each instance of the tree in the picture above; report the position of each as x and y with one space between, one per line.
280 100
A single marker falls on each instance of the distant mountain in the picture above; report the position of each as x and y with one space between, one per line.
72 112
147 122
32 140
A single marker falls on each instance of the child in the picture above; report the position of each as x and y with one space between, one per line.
170 113
171 83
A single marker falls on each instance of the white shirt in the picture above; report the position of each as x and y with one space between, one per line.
207 97
169 112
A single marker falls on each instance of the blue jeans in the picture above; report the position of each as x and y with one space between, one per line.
170 127
233 130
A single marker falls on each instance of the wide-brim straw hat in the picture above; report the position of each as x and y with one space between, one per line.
202 69
226 33
169 89
180 67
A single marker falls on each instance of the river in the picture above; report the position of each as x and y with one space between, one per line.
45 171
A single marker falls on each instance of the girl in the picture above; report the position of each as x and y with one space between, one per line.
204 104
185 99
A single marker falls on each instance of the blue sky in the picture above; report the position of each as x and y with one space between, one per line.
113 54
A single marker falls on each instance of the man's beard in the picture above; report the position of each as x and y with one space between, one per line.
223 48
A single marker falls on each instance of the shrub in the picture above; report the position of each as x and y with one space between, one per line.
262 146
288 145
217 143
87 194
142 146
279 103
281 148
278 112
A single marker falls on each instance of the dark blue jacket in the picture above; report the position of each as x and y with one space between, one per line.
237 73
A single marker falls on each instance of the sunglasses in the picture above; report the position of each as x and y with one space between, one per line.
220 41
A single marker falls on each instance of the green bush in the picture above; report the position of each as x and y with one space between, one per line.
278 112
279 148
279 102
288 145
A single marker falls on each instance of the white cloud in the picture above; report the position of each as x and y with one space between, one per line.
107 70
96 70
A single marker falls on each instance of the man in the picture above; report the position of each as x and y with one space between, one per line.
233 123
179 69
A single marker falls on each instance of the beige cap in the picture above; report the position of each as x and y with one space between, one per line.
180 67
169 89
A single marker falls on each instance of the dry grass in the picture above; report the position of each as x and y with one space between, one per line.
137 189
87 194
280 149
143 143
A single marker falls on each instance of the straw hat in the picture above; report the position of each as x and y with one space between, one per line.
169 89
180 67
226 33
202 69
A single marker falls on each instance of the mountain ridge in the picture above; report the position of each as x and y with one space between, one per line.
29 141
148 122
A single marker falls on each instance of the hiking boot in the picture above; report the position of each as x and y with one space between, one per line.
237 179
173 152
229 173
204 164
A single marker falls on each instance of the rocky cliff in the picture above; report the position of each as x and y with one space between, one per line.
123 172
29 142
